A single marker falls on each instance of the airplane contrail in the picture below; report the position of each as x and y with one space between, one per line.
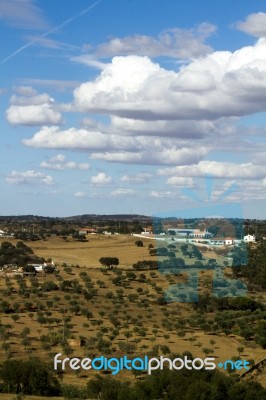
66 22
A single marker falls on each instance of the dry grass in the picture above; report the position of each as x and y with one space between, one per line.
86 255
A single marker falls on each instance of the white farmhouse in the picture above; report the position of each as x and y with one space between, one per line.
249 238
229 241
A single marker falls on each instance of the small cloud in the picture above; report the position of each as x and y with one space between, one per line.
29 177
33 99
123 192
80 194
56 84
25 90
50 43
180 181
101 179
59 163
43 114
32 109
142 177
161 194
254 24
22 14
88 60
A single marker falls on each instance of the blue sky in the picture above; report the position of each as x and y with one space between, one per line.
132 106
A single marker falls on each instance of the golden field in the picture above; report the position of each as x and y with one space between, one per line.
168 325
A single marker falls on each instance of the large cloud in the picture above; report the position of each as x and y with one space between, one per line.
217 169
155 156
220 84
118 148
83 139
155 113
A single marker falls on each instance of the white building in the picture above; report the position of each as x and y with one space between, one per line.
191 233
147 231
229 241
249 238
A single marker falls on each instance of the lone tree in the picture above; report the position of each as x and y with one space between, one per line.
109 262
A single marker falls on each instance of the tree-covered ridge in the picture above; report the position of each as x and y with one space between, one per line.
173 385
18 254
255 269
34 377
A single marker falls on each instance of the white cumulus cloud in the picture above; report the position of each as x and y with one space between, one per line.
254 24
32 109
118 148
155 113
72 138
33 115
101 179
222 84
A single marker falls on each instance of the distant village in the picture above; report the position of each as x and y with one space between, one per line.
195 236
